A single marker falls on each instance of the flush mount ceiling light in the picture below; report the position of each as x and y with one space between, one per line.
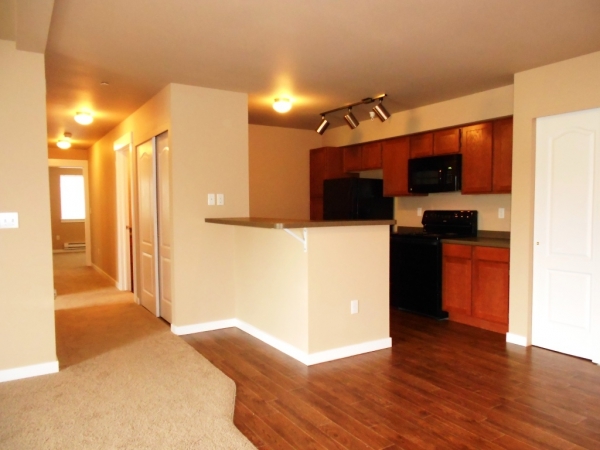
64 142
381 112
323 126
84 118
350 119
282 105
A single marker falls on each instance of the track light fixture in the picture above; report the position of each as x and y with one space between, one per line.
323 126
381 112
352 121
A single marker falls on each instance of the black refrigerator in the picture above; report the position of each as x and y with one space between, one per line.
356 199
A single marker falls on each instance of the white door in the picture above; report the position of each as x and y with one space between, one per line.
164 224
566 257
147 229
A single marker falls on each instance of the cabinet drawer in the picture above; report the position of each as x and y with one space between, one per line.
457 250
491 254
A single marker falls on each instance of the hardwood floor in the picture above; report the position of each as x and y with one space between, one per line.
441 385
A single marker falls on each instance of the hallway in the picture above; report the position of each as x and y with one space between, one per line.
78 285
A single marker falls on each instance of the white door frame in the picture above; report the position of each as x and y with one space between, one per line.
124 174
83 165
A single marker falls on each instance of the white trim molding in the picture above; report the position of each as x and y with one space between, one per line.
305 358
517 339
28 371
202 327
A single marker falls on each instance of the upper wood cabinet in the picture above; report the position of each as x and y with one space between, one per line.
395 154
502 155
477 159
325 163
446 141
352 158
362 157
421 145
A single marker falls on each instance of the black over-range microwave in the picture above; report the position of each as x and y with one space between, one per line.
434 174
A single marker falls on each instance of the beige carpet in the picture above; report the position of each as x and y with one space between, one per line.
71 275
126 382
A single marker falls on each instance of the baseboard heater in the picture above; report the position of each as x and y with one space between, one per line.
74 246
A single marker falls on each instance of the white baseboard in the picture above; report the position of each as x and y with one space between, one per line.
284 347
517 339
28 371
102 272
201 327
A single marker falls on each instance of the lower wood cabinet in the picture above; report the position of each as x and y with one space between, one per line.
475 285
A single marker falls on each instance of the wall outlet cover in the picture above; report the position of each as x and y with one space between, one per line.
9 220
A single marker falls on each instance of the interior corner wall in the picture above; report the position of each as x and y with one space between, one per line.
563 87
26 293
468 109
149 120
279 171
210 155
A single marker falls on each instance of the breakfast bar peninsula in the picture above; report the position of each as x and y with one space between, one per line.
315 290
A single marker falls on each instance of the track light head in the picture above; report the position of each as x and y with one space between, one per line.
352 121
323 126
381 112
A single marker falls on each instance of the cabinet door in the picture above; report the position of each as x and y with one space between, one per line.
446 141
421 145
317 171
456 278
502 159
316 208
352 158
477 159
395 153
490 284
334 166
371 156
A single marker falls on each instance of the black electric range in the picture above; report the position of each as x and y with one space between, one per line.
416 261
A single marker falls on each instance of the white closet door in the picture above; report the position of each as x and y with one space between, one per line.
164 224
566 269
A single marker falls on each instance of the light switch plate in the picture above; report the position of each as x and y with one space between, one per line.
9 220
419 212
353 306
500 213
211 199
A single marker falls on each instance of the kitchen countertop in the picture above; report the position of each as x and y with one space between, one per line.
279 224
484 238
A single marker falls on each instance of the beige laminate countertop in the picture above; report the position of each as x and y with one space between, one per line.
279 224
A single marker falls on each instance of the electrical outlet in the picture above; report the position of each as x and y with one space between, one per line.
211 199
419 212
9 220
353 306
220 199
500 213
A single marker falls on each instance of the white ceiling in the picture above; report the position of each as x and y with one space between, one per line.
322 54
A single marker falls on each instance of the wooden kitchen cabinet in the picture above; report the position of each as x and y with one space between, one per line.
395 154
490 284
446 141
477 158
362 157
456 278
475 285
502 155
325 163
421 145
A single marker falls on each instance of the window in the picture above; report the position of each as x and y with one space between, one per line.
72 198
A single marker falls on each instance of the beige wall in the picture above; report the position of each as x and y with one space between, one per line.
62 232
148 121
279 174
26 294
209 139
563 87
303 298
471 108
71 153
